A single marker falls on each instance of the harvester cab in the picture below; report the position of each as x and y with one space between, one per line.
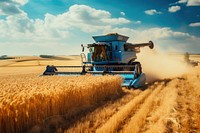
113 49
112 54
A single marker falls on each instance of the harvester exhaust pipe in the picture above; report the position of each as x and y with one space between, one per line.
150 44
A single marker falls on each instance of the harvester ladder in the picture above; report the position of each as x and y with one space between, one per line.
83 58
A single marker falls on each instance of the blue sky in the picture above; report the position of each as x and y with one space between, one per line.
32 27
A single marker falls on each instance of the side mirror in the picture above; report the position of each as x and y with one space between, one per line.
82 47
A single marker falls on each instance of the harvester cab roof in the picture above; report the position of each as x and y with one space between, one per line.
110 38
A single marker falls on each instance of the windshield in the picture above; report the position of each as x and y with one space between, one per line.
98 53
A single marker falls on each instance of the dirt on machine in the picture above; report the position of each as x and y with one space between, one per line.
109 54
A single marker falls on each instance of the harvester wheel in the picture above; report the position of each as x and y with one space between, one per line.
137 68
134 63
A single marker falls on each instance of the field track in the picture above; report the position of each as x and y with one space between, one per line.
165 106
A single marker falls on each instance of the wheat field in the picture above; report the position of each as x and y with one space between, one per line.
27 100
29 103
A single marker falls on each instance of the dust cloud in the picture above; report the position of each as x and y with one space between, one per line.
159 65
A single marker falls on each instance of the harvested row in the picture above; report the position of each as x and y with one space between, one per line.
159 117
195 104
26 100
138 119
98 117
182 107
113 124
188 105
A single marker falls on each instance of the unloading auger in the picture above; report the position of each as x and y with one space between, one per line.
110 54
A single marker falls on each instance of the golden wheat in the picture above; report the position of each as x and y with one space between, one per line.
114 122
161 114
139 118
27 100
102 114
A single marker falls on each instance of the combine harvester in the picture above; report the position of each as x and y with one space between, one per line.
110 54
190 62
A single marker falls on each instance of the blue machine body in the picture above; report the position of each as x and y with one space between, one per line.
118 51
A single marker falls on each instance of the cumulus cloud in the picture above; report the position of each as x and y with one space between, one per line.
152 12
190 2
197 24
11 7
138 22
54 27
122 13
174 9
182 1
85 18
193 3
21 2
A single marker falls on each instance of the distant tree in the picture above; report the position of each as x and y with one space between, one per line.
46 56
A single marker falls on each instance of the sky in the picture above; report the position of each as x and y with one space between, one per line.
59 27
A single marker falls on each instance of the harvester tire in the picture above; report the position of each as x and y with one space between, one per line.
133 63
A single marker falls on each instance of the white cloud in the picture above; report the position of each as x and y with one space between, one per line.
79 16
11 7
182 1
87 19
195 24
193 3
54 28
174 9
152 12
190 2
122 13
138 22
21 2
